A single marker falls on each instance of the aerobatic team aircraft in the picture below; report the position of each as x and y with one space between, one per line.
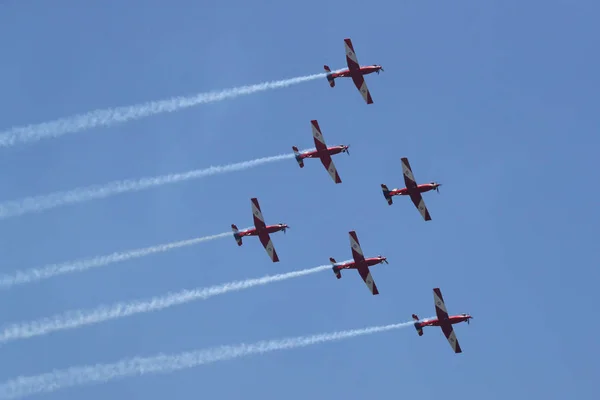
354 71
443 321
412 189
360 263
322 151
261 230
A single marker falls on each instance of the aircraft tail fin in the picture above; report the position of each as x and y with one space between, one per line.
298 156
236 235
386 194
336 270
330 76
418 326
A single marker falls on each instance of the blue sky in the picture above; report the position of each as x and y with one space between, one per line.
497 100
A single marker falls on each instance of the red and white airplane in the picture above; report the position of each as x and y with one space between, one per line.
261 230
354 71
412 189
360 263
443 321
322 151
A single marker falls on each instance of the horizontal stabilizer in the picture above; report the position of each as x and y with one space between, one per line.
417 325
386 194
330 76
336 270
236 235
298 156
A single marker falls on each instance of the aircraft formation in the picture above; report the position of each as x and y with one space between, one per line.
412 189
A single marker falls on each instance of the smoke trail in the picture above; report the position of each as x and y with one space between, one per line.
79 318
164 363
59 127
52 270
40 203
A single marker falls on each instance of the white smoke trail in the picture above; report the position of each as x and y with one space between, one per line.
107 117
44 202
79 318
52 270
164 363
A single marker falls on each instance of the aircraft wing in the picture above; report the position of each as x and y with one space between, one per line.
409 179
411 183
418 201
321 147
365 274
330 167
351 59
442 314
265 239
357 252
451 336
354 66
318 136
361 85
440 306
259 220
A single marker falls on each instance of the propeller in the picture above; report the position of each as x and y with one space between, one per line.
285 228
437 188
347 149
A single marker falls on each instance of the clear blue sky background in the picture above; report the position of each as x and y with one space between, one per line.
498 100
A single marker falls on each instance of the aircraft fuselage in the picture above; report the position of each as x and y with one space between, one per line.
425 187
267 229
330 150
453 319
347 73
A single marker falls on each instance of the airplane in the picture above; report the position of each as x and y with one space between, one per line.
360 263
261 230
412 189
323 152
354 71
443 321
